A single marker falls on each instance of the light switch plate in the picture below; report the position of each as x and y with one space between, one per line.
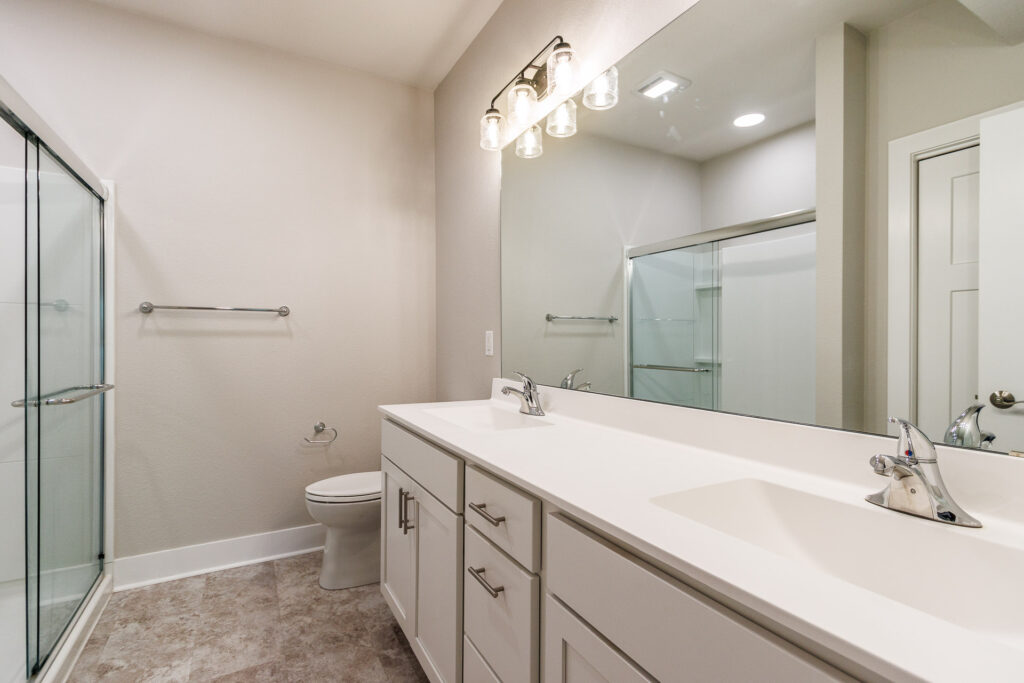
489 343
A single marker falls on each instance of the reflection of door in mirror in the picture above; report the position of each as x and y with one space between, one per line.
947 311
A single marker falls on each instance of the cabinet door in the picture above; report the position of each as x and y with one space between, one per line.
398 559
573 653
438 612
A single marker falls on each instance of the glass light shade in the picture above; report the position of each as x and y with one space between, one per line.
521 100
603 91
492 126
561 64
562 121
529 145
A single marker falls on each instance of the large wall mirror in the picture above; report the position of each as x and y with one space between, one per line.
808 211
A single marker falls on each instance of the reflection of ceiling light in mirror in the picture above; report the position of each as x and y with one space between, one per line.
562 121
529 145
602 92
748 120
661 84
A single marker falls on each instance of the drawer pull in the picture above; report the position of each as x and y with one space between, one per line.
480 510
478 575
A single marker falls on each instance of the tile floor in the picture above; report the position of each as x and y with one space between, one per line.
263 622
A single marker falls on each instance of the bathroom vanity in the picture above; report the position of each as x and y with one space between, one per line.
611 539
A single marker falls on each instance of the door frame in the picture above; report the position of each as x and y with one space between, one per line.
901 329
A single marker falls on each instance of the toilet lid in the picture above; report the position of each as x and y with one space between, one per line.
347 488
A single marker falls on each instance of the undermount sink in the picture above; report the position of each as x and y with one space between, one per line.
486 418
936 569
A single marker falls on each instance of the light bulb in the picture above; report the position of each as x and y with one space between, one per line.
603 91
491 127
560 69
529 145
521 99
562 121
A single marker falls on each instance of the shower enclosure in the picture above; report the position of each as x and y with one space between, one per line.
727 324
51 375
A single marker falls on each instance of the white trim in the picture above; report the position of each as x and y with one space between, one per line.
190 560
904 155
67 651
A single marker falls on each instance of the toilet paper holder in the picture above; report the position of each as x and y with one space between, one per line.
320 428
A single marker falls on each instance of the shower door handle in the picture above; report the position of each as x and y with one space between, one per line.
52 399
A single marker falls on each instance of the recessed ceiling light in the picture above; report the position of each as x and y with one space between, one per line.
748 120
661 84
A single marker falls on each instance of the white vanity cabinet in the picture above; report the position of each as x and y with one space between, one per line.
514 591
421 551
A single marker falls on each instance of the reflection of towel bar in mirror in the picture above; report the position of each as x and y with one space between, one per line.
551 317
674 368
147 307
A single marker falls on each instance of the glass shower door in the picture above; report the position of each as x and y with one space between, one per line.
64 409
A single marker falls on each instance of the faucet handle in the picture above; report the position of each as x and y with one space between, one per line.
913 445
528 384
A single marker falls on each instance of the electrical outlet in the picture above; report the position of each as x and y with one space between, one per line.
489 343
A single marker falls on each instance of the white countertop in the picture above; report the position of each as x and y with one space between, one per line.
611 477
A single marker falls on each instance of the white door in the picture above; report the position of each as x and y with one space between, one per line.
397 566
947 325
438 632
1001 301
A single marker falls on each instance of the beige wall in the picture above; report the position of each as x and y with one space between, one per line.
937 65
244 177
469 179
765 179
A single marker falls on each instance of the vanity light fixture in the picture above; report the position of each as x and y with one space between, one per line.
663 83
602 92
492 127
521 100
560 69
748 120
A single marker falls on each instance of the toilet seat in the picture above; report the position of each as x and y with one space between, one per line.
359 487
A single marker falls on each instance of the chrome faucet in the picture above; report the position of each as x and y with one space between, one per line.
915 483
965 430
529 396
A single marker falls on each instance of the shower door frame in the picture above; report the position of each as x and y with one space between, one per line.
20 116
783 220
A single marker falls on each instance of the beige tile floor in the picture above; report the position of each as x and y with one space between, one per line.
263 622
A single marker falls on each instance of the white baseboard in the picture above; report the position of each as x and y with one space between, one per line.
190 560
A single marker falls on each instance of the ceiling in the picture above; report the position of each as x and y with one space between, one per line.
736 66
411 41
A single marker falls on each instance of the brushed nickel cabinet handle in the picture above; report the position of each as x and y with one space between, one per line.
405 509
478 575
479 508
401 508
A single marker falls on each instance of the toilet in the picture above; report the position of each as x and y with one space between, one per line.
349 506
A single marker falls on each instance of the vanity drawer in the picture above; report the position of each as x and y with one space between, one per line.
663 625
474 668
503 627
506 515
435 470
